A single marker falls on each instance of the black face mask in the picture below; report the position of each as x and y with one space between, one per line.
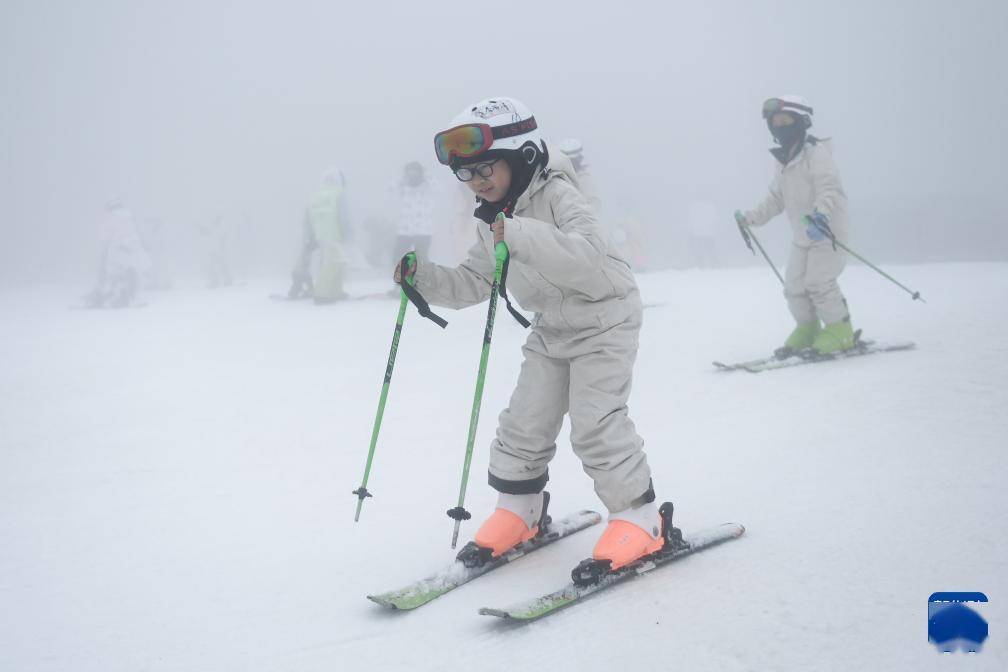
789 135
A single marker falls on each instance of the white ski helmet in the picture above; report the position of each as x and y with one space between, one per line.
799 106
491 125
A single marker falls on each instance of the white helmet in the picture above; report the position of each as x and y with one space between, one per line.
494 124
797 105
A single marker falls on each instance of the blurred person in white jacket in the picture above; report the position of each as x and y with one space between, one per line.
414 199
124 261
413 196
807 187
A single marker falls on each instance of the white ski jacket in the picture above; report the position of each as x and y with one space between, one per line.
562 265
415 216
810 181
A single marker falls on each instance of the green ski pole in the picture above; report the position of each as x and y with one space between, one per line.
828 232
362 491
458 514
749 237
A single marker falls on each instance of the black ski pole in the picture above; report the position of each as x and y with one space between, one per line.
749 237
828 232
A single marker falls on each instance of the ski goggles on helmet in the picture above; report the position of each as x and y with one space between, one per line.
774 105
470 140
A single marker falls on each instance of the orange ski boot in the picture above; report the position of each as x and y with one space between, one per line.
630 535
516 519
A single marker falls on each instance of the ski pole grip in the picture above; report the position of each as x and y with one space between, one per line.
408 260
740 222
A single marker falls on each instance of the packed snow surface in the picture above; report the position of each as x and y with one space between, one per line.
175 484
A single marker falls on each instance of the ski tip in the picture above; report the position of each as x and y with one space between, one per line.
499 613
378 599
392 603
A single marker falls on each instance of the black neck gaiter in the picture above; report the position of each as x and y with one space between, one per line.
791 138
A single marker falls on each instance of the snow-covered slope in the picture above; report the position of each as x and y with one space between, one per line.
175 484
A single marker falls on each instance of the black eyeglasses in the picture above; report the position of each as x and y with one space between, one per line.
467 173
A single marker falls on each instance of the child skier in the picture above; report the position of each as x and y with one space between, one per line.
807 186
579 356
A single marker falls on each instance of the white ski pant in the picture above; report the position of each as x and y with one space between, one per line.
810 283
589 378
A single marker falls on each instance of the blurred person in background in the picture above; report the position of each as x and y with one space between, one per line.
413 196
322 230
123 263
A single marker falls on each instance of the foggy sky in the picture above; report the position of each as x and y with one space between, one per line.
187 109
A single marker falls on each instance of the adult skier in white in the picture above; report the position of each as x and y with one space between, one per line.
807 187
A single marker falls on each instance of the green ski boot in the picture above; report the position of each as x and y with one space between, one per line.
802 337
834 337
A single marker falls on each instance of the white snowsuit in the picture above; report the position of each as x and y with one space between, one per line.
810 182
415 216
580 353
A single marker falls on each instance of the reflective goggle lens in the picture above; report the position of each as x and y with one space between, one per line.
462 142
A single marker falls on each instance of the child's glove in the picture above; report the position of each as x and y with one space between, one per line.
817 226
410 259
